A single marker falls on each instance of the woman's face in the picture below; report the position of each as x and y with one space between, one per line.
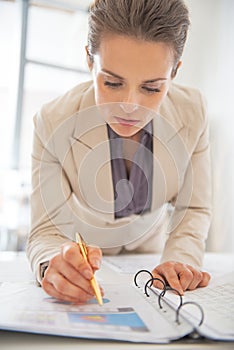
131 78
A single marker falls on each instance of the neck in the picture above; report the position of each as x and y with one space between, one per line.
136 137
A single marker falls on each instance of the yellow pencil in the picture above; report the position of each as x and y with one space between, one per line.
84 252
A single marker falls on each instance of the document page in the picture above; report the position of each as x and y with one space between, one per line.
216 301
126 315
131 263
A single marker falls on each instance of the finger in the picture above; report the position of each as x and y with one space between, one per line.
205 279
70 274
64 287
196 278
185 275
71 253
94 257
167 270
50 290
158 284
60 288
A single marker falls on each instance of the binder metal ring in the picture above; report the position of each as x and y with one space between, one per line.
140 271
151 281
186 303
164 292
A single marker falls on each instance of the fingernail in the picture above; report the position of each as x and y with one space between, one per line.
87 274
96 264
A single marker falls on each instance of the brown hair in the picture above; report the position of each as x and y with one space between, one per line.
151 20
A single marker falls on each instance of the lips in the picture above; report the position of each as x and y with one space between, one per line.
126 122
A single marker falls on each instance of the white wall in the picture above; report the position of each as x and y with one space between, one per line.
209 53
208 64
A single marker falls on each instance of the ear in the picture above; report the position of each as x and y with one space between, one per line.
88 58
174 71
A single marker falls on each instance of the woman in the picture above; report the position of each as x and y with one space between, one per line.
123 158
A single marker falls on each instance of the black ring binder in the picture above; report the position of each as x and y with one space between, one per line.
186 303
140 271
151 280
162 294
146 286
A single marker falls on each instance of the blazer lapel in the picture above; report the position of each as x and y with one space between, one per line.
91 154
168 154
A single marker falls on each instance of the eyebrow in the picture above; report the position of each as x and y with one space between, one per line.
121 78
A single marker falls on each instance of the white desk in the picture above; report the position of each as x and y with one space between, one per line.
14 267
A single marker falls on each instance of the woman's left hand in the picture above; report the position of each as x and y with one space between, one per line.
180 276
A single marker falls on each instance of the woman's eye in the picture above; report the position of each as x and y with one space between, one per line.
150 89
112 85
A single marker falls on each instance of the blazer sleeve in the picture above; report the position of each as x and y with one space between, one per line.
189 224
52 199
49 218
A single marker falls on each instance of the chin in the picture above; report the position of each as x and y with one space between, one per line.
124 131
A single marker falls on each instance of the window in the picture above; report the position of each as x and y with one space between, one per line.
44 56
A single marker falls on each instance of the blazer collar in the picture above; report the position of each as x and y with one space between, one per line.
90 128
168 122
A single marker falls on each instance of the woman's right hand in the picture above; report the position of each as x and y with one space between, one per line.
68 274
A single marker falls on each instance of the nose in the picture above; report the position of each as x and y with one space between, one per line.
129 104
128 107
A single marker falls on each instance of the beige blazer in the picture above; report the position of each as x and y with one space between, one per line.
72 182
